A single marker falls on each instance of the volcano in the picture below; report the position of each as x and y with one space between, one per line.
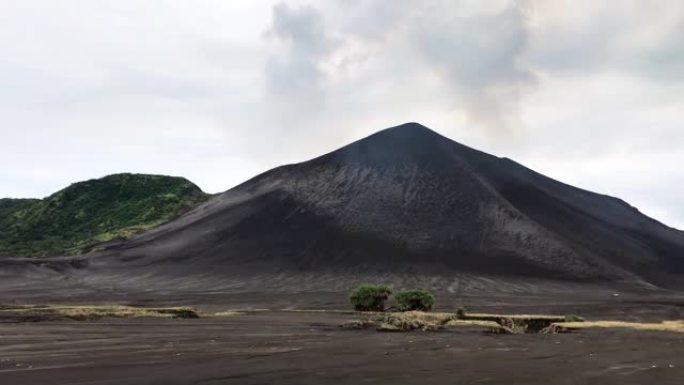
408 200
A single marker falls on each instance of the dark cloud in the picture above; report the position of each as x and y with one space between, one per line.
296 72
478 58
474 52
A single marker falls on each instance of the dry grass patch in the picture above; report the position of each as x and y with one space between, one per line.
667 326
489 326
418 320
403 321
228 313
80 313
495 316
413 320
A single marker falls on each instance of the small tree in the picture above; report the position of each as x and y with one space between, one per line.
416 299
370 297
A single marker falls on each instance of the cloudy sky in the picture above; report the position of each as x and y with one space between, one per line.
588 92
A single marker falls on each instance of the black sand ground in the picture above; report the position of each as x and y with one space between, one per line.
281 345
292 347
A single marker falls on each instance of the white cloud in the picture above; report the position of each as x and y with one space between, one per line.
589 92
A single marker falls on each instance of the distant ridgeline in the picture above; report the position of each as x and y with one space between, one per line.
75 219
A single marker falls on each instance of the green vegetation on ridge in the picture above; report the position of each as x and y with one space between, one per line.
77 218
8 206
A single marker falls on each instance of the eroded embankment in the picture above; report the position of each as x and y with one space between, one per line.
495 323
520 323
666 326
36 313
499 323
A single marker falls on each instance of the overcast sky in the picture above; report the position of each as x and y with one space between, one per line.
587 92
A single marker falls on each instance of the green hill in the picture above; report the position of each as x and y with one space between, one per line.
77 218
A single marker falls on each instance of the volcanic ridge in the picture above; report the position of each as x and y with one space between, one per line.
407 200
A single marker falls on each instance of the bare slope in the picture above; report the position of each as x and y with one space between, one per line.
406 200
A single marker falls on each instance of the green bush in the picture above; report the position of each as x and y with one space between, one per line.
416 299
573 318
370 297
460 313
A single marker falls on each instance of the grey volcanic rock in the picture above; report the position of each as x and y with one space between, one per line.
407 200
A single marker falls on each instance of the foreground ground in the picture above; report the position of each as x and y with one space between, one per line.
307 347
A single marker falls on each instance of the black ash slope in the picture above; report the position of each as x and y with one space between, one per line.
406 200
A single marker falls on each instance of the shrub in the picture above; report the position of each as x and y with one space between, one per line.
416 299
460 313
573 318
370 297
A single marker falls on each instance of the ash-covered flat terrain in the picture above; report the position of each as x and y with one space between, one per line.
294 347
